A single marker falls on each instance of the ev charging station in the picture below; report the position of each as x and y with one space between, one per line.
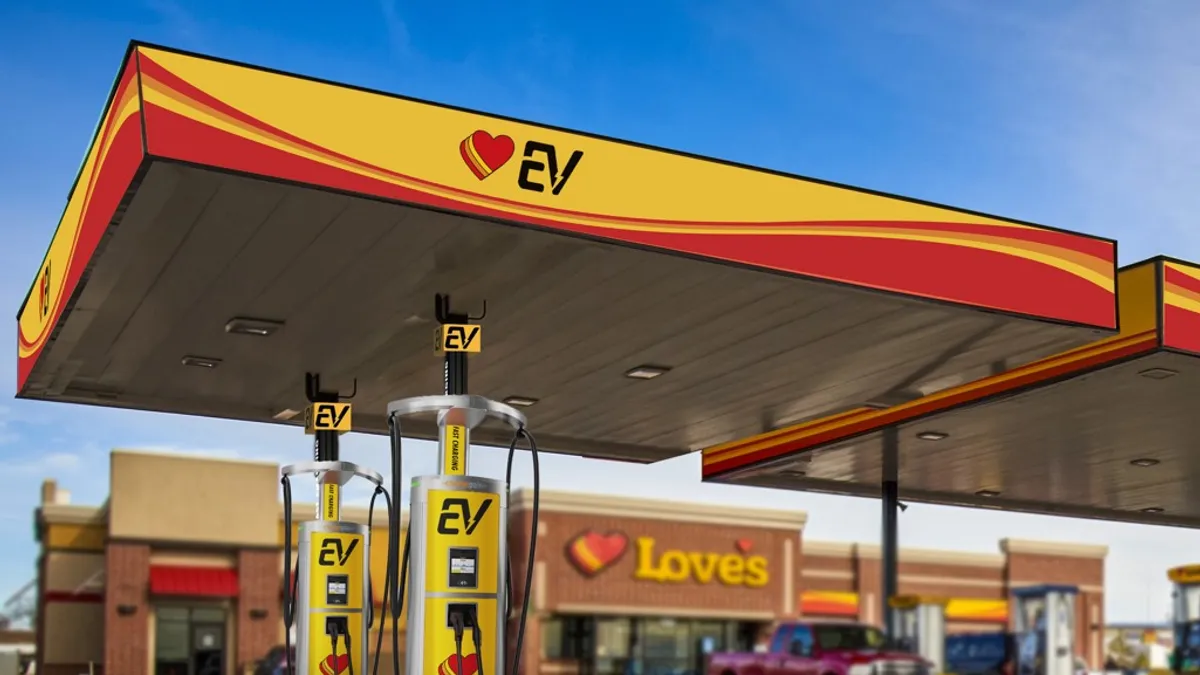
920 624
454 562
1185 618
1044 629
223 213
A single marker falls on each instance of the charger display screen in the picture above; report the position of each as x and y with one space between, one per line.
337 589
464 567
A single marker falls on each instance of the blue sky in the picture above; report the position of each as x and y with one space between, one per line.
1080 115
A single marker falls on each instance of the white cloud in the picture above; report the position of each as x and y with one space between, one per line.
49 465
1102 95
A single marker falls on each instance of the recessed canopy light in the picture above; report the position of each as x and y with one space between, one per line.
242 325
286 414
1144 461
646 372
201 361
987 493
1158 373
932 435
520 401
1152 509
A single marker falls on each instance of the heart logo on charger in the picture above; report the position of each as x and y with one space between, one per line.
335 666
470 665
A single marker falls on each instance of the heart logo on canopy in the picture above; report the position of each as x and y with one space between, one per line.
484 154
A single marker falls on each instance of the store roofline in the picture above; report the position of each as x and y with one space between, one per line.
1032 547
927 556
595 504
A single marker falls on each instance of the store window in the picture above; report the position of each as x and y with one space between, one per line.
666 647
835 637
189 640
614 638
568 637
642 646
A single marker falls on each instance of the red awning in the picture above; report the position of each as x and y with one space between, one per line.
193 581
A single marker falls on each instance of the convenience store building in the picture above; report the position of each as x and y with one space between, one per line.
181 572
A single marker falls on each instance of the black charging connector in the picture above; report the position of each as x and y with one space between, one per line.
460 616
464 611
337 626
458 622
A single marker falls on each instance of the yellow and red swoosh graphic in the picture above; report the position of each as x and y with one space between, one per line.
247 120
828 603
845 603
108 169
212 113
1181 306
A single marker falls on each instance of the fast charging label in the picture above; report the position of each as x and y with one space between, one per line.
462 557
330 503
336 589
454 450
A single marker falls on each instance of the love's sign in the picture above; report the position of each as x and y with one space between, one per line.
677 566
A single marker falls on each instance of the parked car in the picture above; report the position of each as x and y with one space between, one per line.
812 648
275 662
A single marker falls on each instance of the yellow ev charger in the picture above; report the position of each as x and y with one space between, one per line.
332 585
458 563
457 538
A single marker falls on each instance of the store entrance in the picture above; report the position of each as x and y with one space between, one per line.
189 640
642 645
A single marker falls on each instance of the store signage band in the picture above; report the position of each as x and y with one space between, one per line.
593 552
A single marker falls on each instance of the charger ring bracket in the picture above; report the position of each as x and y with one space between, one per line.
333 472
467 410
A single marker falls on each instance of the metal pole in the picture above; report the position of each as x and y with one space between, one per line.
325 449
453 436
891 508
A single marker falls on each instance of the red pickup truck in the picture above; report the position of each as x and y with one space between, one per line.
812 648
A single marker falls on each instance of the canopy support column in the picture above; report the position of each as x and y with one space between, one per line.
891 508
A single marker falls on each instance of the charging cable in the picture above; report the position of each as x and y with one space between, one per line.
289 583
522 432
349 654
477 638
456 622
335 631
393 590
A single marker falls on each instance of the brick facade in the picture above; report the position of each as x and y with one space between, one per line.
258 606
618 588
126 608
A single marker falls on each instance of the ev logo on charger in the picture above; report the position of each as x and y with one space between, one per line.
333 554
454 509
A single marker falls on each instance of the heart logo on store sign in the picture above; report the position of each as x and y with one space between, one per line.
335 665
484 153
470 665
744 545
592 552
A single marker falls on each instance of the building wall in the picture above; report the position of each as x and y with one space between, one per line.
127 608
656 563
164 498
70 585
841 580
